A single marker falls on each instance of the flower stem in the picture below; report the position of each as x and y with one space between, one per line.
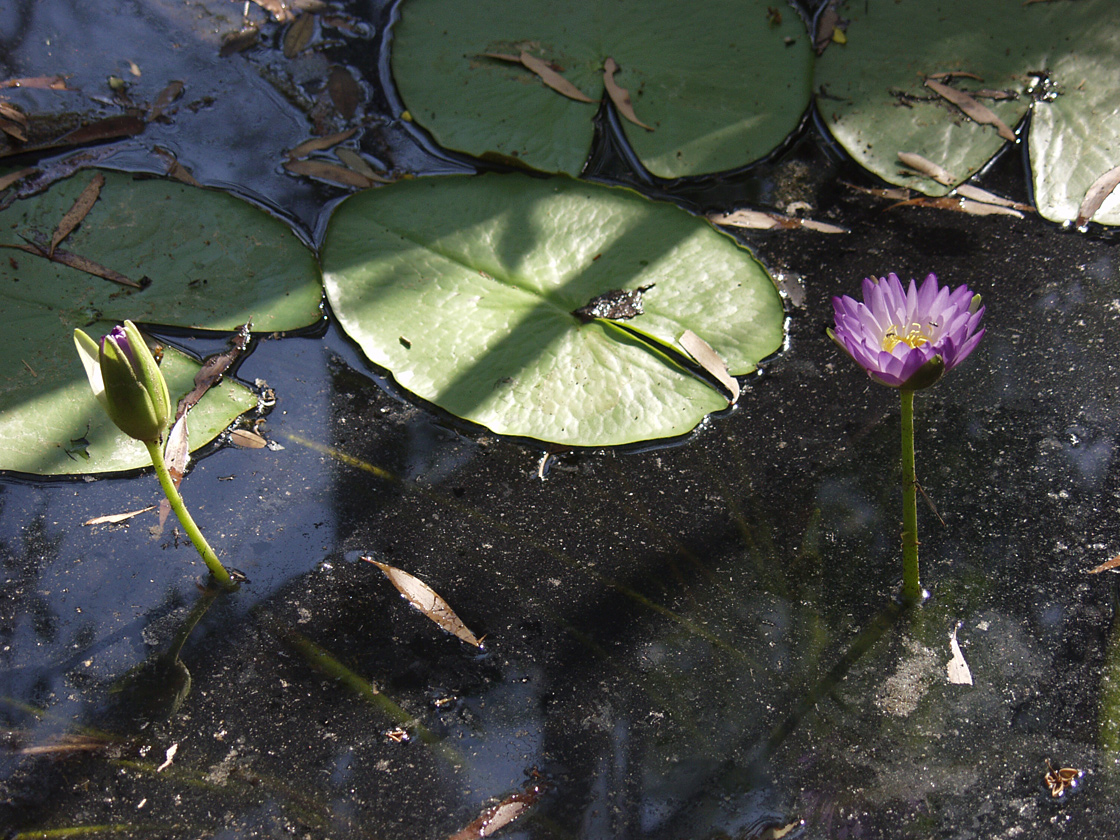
217 570
911 586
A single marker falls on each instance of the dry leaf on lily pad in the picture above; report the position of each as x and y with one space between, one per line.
723 83
425 599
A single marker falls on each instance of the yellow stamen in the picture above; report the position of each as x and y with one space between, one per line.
914 338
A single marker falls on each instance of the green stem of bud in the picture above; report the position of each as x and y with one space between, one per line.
217 570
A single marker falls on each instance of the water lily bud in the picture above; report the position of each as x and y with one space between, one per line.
127 381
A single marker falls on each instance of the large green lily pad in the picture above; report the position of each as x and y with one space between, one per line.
1075 131
464 288
213 262
722 82
872 96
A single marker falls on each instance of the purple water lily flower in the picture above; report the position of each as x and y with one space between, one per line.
907 338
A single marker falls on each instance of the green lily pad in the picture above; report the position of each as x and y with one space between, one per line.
1075 133
872 95
464 287
722 84
205 260
871 92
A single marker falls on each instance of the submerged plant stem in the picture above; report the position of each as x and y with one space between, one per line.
911 585
217 570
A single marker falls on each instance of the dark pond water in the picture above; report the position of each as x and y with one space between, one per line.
687 641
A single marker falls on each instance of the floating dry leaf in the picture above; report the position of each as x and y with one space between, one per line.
709 359
166 97
619 95
41 82
175 169
1060 780
299 35
977 194
777 832
960 205
235 42
827 23
106 129
425 599
344 91
760 220
328 172
1106 565
500 815
247 439
9 179
971 108
552 78
318 144
893 193
1098 191
927 167
115 518
956 667
78 211
359 164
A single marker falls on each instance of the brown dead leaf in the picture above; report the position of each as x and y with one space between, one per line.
709 359
761 220
927 168
175 169
213 368
972 109
827 24
318 144
500 815
115 518
75 261
619 95
166 97
552 78
345 93
954 74
9 179
106 129
425 599
283 11
243 39
328 172
77 212
13 130
299 35
10 112
977 194
177 454
960 205
247 439
1106 566
40 82
1096 194
359 164
893 193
